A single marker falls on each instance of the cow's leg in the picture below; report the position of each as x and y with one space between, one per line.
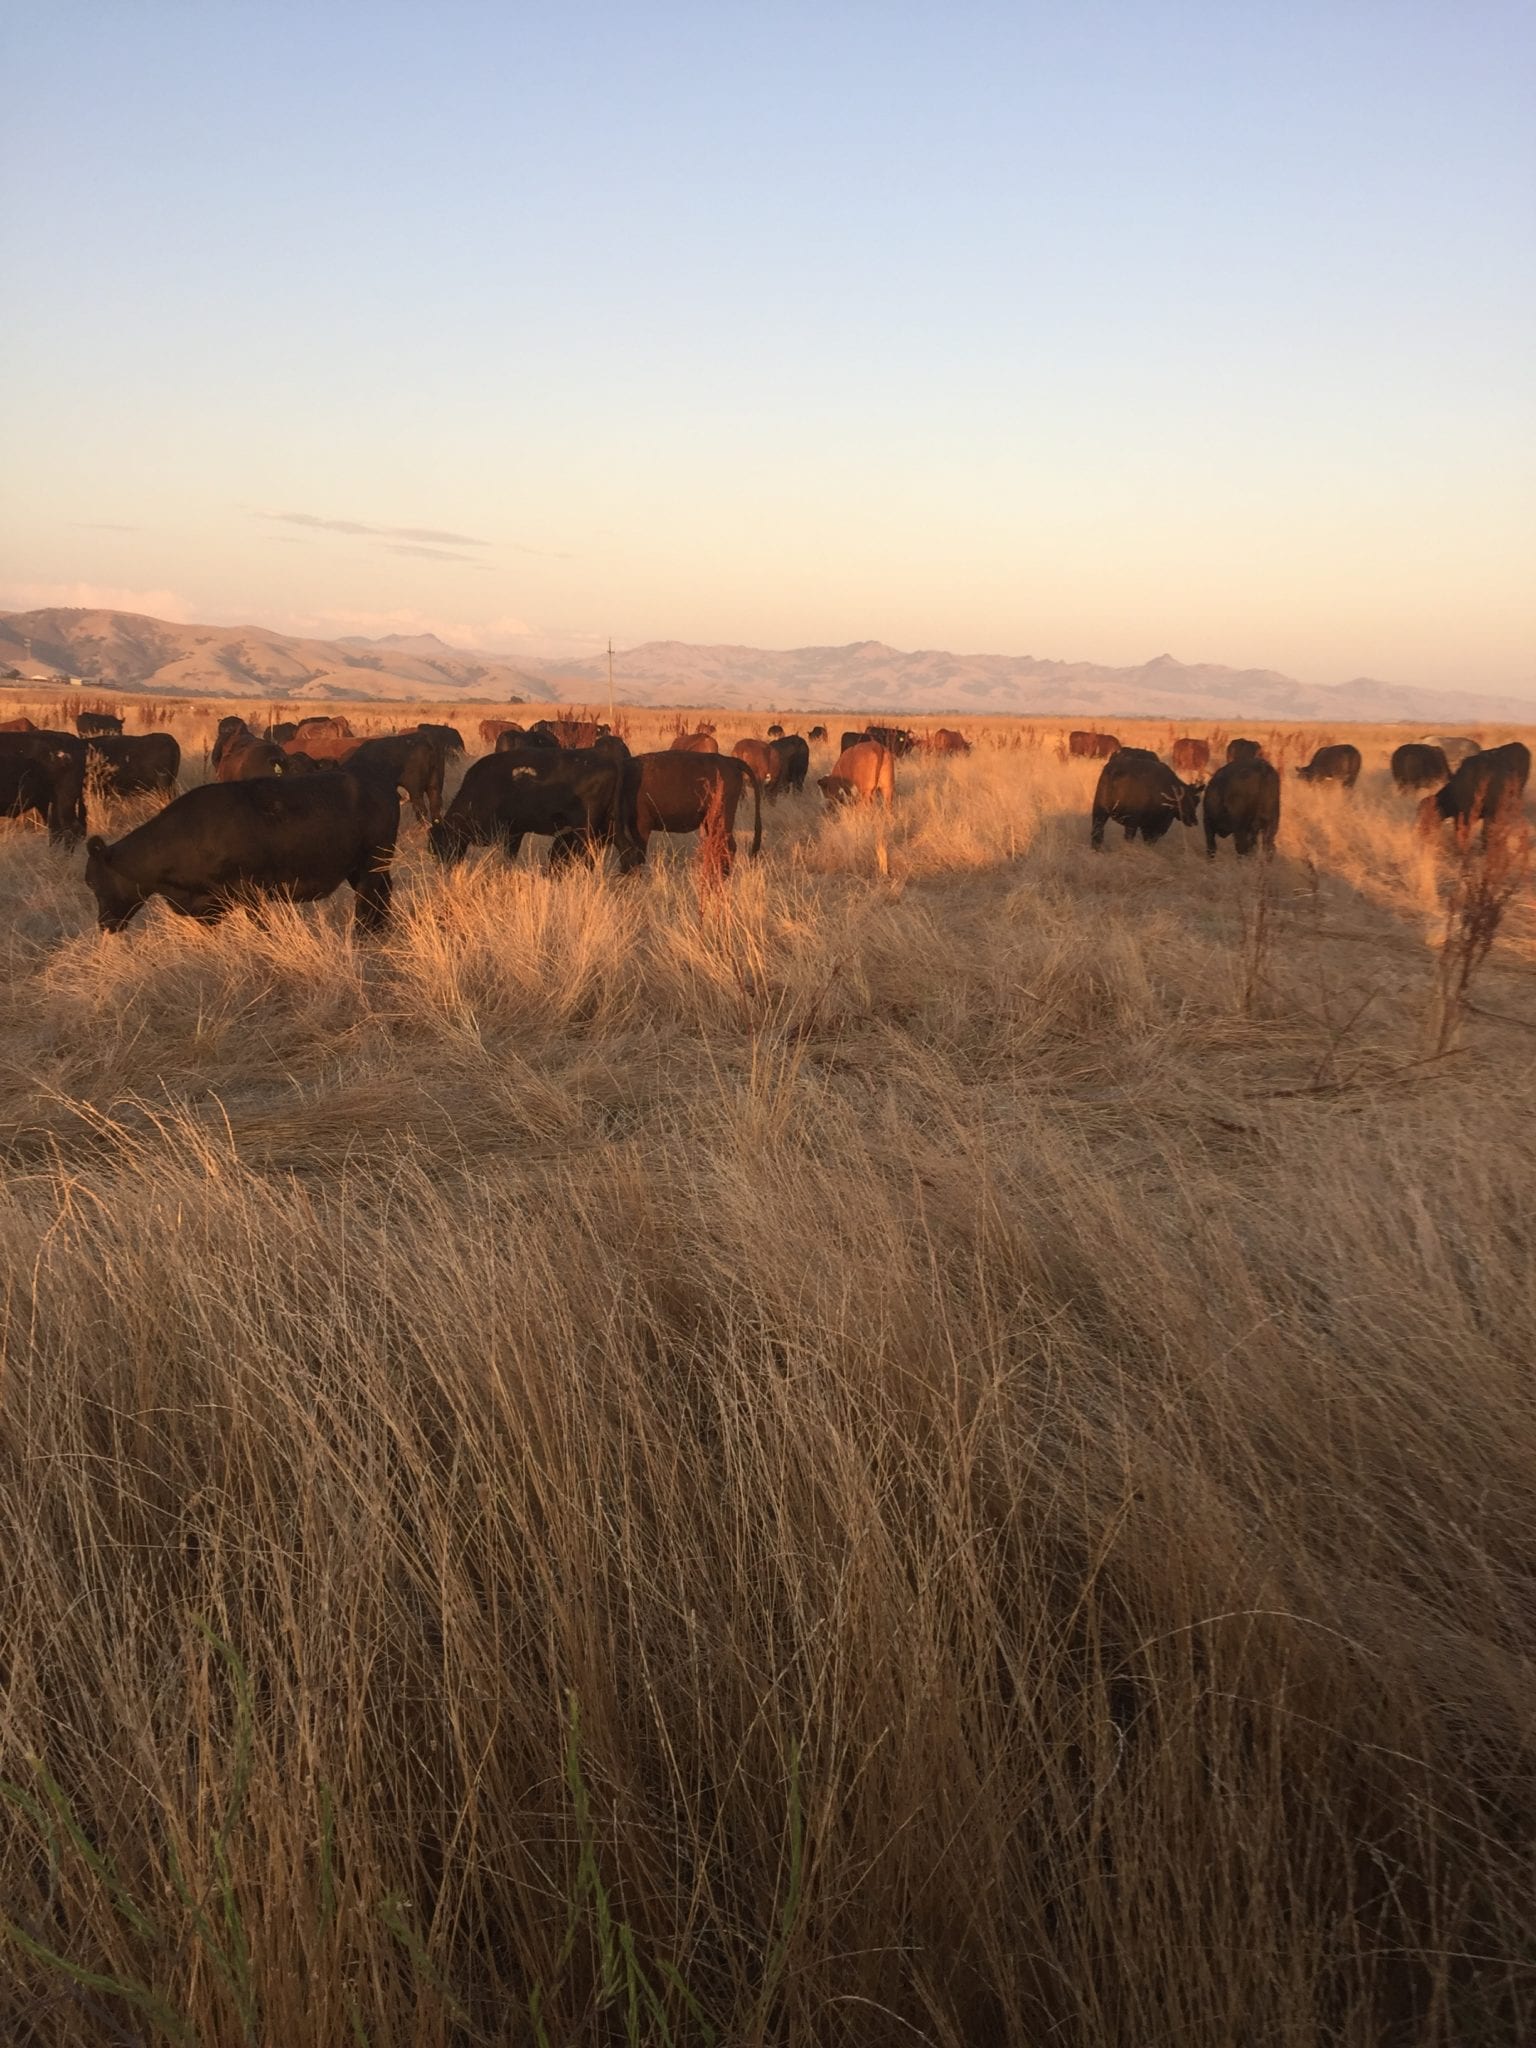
1096 830
1128 826
1210 840
374 887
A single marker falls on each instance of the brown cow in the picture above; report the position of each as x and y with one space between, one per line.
699 742
764 763
243 757
663 793
1190 756
864 771
942 740
320 746
491 729
319 727
17 725
1092 746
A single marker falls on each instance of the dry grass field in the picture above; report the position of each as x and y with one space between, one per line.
934 1444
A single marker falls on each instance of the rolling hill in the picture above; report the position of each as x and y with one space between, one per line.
126 651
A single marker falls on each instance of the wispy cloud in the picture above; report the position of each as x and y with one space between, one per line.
428 535
403 539
103 526
431 554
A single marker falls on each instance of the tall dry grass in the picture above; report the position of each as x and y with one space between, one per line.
932 1443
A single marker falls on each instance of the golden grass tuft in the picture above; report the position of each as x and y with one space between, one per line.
931 1442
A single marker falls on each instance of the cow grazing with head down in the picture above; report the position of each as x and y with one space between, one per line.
43 772
1333 764
681 792
1242 803
1191 756
1092 746
793 758
1419 765
409 761
242 757
1487 788
944 740
864 771
450 740
129 765
764 763
700 742
1455 746
92 725
572 796
225 843
1141 793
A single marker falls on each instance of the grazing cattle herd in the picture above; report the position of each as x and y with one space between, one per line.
300 807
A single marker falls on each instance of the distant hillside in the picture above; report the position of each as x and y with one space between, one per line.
869 676
126 651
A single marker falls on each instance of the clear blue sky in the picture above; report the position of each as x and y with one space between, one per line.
1074 330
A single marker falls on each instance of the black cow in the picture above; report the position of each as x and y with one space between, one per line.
299 838
1242 803
1487 786
794 759
775 732
512 739
1143 794
448 737
45 772
411 761
675 791
818 732
1244 750
121 765
232 731
92 725
285 729
896 737
572 794
851 739
1333 764
1419 765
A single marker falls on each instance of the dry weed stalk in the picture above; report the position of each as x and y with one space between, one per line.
1487 877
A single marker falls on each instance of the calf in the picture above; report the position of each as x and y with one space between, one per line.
1242 803
1333 764
222 842
1142 794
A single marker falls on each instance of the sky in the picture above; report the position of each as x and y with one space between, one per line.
1083 331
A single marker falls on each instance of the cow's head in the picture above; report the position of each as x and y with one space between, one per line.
117 898
448 840
1187 803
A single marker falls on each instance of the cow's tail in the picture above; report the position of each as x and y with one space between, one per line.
757 814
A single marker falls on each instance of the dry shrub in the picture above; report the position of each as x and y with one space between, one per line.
810 1461
1487 877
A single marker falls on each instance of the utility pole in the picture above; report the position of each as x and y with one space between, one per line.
610 682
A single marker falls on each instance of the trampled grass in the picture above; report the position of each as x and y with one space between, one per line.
935 1443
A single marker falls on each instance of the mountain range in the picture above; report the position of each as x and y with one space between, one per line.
126 651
